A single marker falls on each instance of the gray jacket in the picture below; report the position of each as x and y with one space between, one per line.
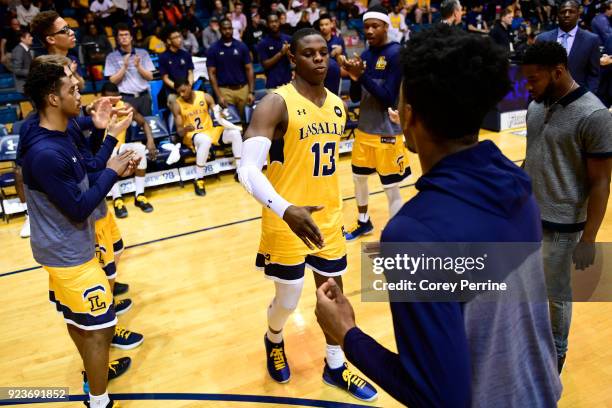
21 60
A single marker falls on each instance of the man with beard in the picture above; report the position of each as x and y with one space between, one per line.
569 159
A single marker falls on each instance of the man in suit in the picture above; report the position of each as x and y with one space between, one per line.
601 22
582 46
21 58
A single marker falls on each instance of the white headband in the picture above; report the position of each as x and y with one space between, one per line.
377 15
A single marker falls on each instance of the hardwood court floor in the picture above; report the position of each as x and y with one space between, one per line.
202 306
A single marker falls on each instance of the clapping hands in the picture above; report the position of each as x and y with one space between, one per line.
354 66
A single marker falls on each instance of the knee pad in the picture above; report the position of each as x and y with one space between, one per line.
141 151
201 140
361 189
394 198
288 295
231 135
234 137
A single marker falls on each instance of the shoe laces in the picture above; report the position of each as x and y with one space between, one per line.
353 378
119 203
122 332
279 358
354 227
142 199
112 365
200 183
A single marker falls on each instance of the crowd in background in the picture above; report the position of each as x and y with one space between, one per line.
511 23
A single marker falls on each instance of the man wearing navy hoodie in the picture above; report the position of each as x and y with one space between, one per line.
62 196
379 145
100 112
457 354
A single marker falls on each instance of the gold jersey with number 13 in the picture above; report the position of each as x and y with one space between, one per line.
303 169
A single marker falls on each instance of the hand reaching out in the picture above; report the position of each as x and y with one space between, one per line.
301 223
334 312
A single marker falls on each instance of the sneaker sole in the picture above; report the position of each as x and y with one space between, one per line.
352 395
360 235
124 310
280 382
128 346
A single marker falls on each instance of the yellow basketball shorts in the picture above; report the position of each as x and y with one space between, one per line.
82 294
214 134
329 261
108 244
386 155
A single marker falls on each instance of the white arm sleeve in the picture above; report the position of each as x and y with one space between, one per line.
254 153
218 114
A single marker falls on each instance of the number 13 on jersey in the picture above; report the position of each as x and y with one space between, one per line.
328 151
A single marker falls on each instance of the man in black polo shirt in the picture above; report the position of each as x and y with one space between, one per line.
174 63
230 70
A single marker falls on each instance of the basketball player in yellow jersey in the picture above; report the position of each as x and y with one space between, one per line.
195 126
300 125
140 200
398 29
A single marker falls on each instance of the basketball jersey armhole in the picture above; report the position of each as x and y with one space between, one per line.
283 93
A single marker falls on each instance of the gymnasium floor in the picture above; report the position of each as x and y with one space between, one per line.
201 306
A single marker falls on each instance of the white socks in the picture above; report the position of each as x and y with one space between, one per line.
334 356
274 337
99 401
284 303
363 217
361 189
199 172
116 191
394 199
140 184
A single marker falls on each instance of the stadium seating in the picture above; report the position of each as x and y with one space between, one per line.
8 114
